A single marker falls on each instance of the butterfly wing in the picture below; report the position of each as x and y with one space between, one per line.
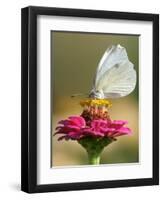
115 74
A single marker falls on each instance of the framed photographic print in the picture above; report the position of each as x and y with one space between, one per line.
90 99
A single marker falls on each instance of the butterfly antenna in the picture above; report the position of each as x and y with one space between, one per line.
80 94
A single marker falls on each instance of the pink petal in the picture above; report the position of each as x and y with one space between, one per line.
92 133
61 138
123 122
123 131
77 120
106 130
74 135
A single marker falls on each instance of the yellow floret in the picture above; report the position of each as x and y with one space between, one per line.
96 102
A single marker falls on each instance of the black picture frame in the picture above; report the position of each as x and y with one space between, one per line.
29 99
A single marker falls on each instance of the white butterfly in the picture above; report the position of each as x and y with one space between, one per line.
115 76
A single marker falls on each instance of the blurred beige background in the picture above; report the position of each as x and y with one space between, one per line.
74 58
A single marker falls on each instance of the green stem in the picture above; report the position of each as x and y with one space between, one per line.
94 147
94 159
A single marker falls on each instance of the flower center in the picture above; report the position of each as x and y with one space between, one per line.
95 109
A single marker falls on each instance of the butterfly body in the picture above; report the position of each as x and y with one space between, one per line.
97 94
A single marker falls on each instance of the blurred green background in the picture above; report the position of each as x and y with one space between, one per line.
74 59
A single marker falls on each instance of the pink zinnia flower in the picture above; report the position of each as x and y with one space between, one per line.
75 128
